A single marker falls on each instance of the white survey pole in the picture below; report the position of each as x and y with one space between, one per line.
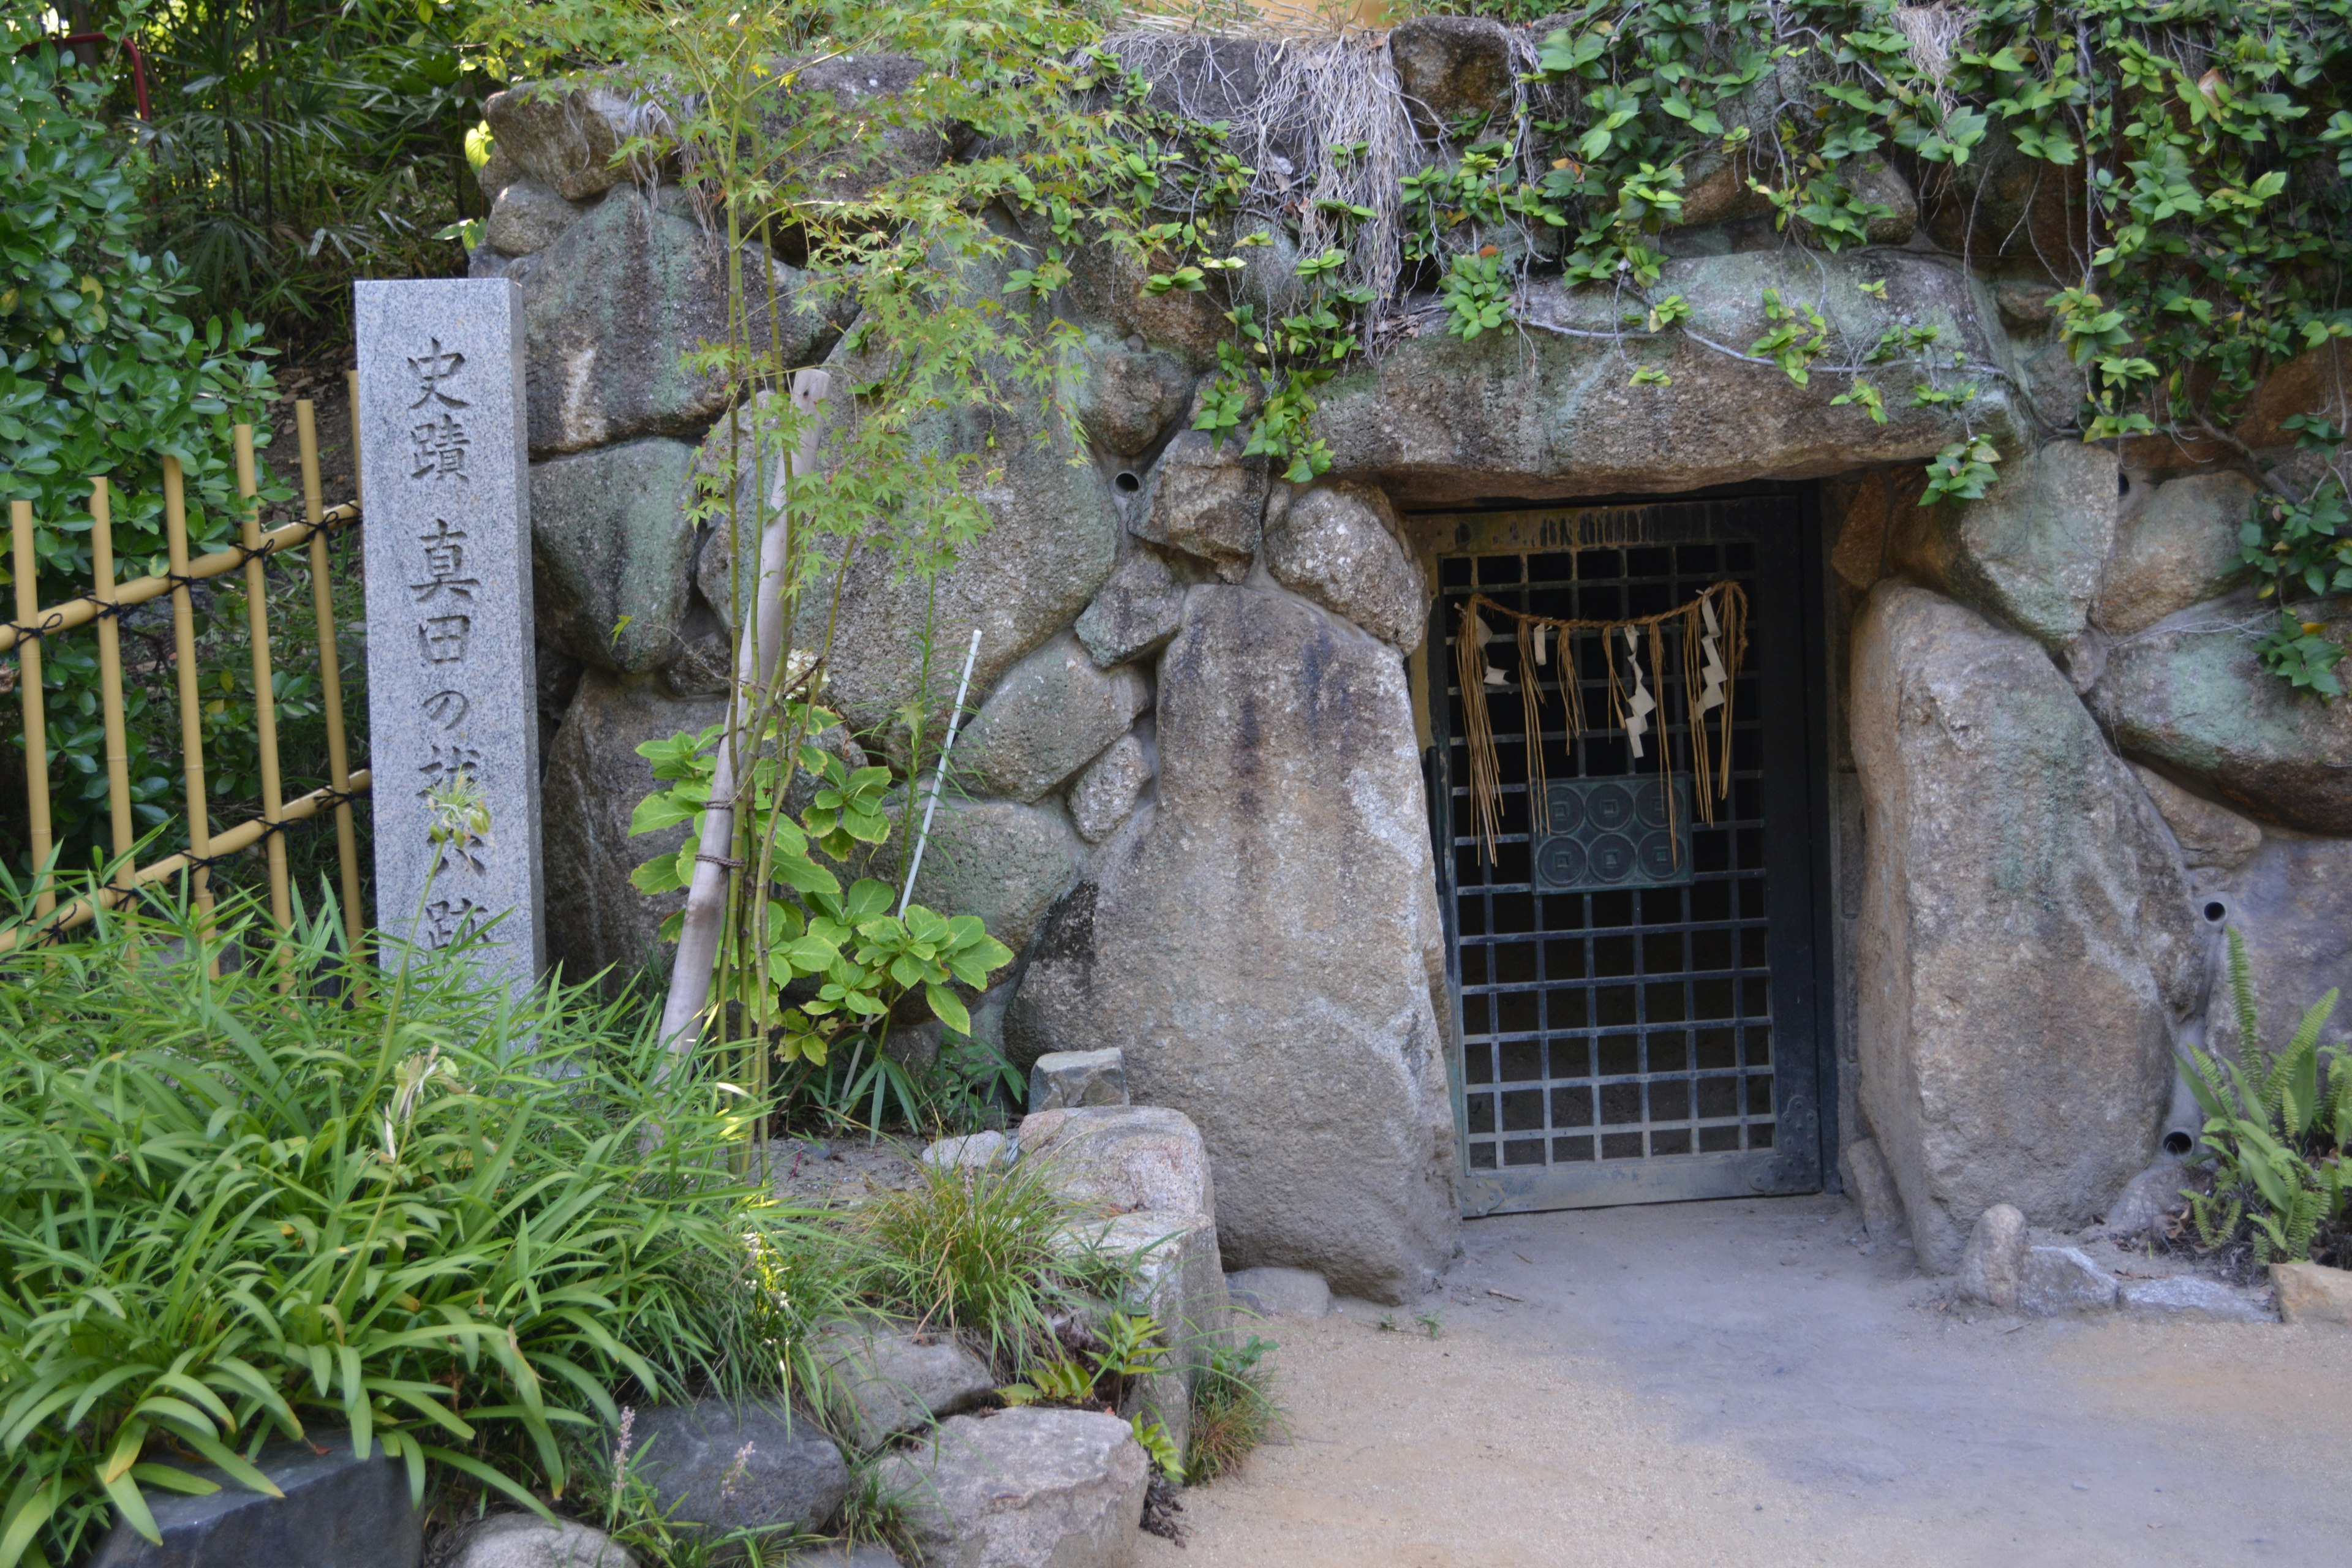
939 774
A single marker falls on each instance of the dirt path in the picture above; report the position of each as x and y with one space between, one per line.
1741 1383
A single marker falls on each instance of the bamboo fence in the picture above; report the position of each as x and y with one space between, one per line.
36 624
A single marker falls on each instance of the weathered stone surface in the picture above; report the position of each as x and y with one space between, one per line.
1053 713
1536 414
1106 794
1992 1270
2150 1202
874 138
1206 502
1452 68
2188 1295
2028 946
1107 284
2179 550
2031 552
1136 613
1024 1489
975 1150
2317 381
1179 1283
2293 905
1052 542
2190 697
613 307
1871 1186
612 548
527 1540
1125 397
1341 546
1004 862
2018 207
1122 1157
2209 834
2312 1293
1280 1292
2063 1279
1065 1081
1876 181
1267 921
566 139
891 1377
722 1466
842 1555
338 1509
594 779
526 217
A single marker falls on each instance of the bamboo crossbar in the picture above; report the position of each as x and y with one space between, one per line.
107 599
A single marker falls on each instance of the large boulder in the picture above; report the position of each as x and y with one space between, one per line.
1052 542
2190 696
2032 551
2292 903
613 307
594 780
1205 501
1125 397
1537 414
1121 1159
1453 69
861 108
1266 922
1051 715
1023 1489
2209 834
893 1377
527 1540
1105 794
2029 951
998 859
565 135
1340 546
336 1507
1136 611
2179 551
612 548
527 217
721 1465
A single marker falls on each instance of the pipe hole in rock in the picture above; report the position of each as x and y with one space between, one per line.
2217 911
2178 1143
1127 484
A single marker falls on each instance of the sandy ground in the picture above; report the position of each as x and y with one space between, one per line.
1743 1383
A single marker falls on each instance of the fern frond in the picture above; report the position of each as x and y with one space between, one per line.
2241 996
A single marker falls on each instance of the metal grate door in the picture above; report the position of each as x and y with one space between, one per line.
1637 1019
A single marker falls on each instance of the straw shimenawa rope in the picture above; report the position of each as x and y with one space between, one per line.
1713 631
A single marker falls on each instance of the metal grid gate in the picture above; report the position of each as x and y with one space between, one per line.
1654 1039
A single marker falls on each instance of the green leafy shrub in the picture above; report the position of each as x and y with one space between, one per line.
401 1204
2276 1132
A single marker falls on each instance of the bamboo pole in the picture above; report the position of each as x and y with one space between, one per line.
331 670
110 685
81 612
264 705
241 836
28 688
192 714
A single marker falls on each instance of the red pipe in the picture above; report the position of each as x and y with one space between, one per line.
130 46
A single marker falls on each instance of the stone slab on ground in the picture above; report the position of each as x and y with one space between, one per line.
2061 1279
2191 1296
793 1476
1280 1292
1872 1187
1028 1488
1179 1284
1065 1081
973 1151
844 1556
527 1540
893 1377
338 1509
2312 1293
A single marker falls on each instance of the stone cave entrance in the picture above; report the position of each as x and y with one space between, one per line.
1637 1020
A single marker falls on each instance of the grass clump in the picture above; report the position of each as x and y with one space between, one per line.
1233 1409
460 1223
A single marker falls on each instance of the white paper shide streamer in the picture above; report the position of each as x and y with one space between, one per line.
1711 674
1639 707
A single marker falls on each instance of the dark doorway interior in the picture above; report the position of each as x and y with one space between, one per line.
1640 1023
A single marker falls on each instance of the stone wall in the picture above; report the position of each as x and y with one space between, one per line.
1196 805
